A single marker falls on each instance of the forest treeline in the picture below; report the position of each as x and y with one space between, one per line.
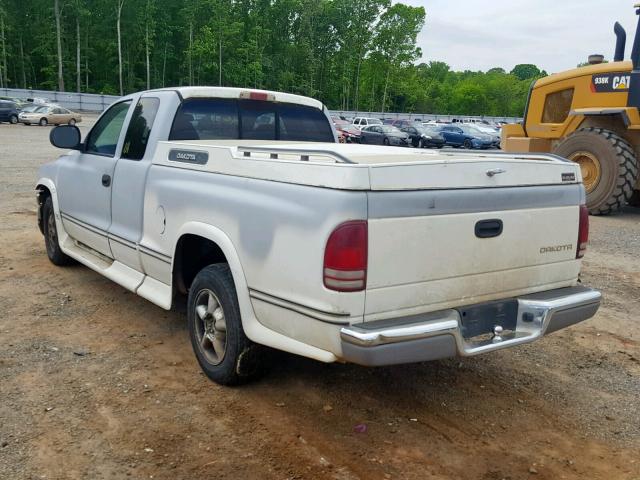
351 54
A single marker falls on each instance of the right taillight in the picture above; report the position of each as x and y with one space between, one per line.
583 231
345 257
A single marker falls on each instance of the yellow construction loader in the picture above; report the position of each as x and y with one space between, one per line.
590 115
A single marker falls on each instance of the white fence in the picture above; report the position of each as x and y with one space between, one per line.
97 103
88 102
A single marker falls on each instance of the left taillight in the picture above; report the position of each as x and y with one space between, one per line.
345 257
583 231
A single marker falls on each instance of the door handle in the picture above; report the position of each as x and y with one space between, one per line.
488 228
106 180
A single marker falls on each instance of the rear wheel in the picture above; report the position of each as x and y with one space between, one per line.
43 122
608 165
72 121
385 141
224 352
13 119
421 143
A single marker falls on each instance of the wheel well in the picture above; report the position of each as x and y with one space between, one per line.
192 254
616 124
42 193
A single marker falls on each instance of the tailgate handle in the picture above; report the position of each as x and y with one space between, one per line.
489 228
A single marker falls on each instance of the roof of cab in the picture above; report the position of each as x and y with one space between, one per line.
231 92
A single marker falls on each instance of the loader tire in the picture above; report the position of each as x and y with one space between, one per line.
608 164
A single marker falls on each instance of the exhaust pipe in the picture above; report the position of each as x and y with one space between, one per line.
633 99
635 52
621 42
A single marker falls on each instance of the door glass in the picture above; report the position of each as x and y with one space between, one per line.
135 142
104 136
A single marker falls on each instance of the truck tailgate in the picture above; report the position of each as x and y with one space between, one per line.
464 236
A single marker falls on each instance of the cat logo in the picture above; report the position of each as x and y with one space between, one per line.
621 82
610 82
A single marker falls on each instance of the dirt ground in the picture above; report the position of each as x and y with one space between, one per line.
97 383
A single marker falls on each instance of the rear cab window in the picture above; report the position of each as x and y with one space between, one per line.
235 119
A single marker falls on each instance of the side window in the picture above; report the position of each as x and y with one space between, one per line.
135 141
104 136
557 106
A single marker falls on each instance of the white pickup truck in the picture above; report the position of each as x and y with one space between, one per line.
283 238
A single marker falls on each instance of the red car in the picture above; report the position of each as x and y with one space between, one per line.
347 133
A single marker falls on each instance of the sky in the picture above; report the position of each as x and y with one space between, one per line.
553 34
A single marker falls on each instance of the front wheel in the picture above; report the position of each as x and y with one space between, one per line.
386 141
224 352
54 252
608 165
467 144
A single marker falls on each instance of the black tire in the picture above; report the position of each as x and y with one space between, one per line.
72 122
421 143
55 254
13 119
43 122
468 144
385 141
241 359
618 167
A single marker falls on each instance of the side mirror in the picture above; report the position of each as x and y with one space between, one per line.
65 136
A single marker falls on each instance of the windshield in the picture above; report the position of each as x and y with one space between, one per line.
429 130
41 109
389 129
374 121
470 130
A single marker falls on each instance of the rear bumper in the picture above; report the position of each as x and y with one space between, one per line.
439 335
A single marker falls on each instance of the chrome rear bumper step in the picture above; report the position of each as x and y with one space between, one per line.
439 335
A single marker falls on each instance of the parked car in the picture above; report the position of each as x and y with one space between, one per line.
384 135
405 123
18 101
421 136
361 122
488 130
461 135
46 114
346 130
8 112
39 100
372 268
